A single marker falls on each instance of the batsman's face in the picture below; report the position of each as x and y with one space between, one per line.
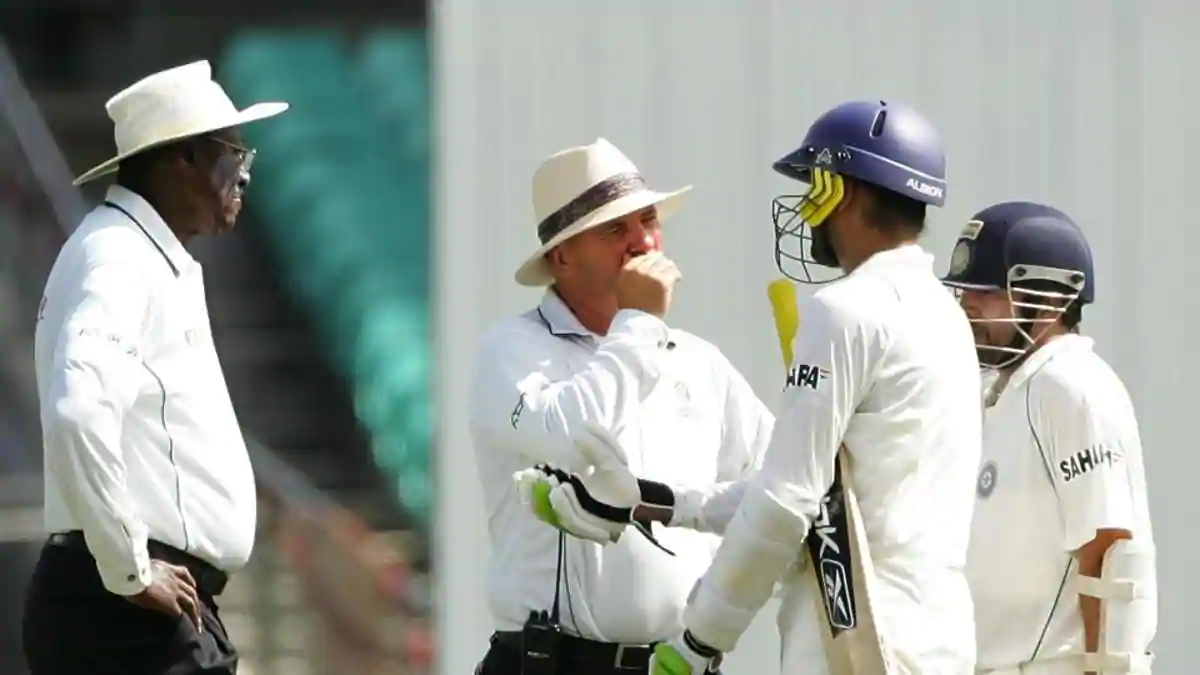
595 258
992 322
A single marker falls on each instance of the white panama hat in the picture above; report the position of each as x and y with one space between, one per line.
169 106
582 187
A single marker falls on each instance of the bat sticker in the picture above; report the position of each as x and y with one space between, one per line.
829 544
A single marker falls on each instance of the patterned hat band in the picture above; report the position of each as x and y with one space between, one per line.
605 192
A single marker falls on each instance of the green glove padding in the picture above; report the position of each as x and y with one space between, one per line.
668 661
539 500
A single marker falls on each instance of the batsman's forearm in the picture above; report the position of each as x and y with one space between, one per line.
705 509
1089 607
653 514
658 502
709 508
762 541
1090 558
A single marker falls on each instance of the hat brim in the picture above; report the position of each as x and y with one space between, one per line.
535 271
254 113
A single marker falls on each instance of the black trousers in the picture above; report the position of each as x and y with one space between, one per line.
575 657
504 658
500 660
74 626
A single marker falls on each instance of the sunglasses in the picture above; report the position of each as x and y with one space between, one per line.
243 155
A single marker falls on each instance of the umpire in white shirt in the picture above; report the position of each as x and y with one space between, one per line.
150 498
596 349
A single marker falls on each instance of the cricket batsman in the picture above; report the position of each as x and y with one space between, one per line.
876 443
1061 564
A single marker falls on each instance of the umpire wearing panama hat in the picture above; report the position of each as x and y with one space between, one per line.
149 495
597 349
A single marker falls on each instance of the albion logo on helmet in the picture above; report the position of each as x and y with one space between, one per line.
924 188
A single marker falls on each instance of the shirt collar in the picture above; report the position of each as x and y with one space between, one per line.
1034 362
560 319
908 255
148 220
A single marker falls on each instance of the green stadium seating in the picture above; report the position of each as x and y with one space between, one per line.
394 66
341 185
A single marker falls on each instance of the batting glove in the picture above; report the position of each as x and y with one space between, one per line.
684 655
536 486
597 506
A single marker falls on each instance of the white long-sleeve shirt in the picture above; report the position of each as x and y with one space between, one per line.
687 418
140 436
885 366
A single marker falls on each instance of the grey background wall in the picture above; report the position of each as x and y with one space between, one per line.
1086 104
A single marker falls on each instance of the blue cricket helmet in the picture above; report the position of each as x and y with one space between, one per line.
1035 254
1017 245
888 145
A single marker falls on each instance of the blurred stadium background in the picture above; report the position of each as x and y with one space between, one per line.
319 300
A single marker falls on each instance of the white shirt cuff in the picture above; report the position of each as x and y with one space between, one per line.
688 509
637 338
640 326
124 581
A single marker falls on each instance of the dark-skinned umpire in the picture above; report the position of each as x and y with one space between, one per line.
150 497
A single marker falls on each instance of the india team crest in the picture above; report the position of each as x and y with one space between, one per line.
971 230
960 259
986 485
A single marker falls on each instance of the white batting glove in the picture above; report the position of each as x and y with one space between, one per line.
535 487
599 505
684 655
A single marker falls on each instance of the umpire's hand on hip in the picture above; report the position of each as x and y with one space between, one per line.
172 591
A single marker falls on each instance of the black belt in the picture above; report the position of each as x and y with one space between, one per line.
612 655
210 581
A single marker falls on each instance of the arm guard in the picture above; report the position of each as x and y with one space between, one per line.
1128 593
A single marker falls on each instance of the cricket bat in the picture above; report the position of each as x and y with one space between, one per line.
840 566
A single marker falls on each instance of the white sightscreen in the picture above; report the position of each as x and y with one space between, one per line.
1087 104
